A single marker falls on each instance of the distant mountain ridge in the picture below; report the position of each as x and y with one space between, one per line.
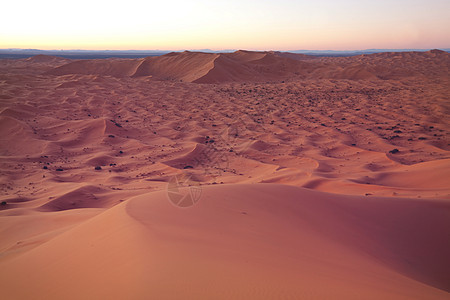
93 54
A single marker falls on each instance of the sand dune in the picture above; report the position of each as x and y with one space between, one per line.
312 177
396 65
264 66
244 242
47 59
226 69
111 67
261 67
185 66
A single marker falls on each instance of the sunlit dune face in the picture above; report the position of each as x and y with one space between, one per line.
283 25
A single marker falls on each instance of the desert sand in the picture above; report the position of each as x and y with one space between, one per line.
245 175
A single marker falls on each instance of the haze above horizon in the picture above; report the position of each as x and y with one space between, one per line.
245 24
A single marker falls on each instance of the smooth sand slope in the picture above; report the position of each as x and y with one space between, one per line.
314 178
245 242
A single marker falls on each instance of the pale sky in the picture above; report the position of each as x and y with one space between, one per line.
232 24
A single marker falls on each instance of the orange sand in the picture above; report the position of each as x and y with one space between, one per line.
300 194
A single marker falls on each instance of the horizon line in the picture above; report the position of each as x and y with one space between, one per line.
225 50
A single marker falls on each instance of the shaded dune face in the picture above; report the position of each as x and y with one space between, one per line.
388 232
245 175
